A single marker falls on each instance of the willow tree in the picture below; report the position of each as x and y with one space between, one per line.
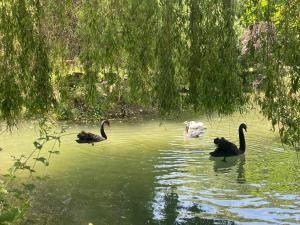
90 27
59 27
166 88
215 84
99 32
197 39
25 80
140 27
162 46
277 45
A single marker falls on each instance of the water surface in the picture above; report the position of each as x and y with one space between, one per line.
149 173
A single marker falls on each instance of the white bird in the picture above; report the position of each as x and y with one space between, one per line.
194 133
194 129
194 125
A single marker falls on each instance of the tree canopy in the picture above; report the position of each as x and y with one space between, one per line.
151 53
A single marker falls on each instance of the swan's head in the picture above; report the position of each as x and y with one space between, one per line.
186 128
217 141
243 126
105 122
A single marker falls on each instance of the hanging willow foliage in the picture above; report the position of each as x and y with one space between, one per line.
90 27
176 54
140 28
25 71
166 89
100 41
274 43
215 85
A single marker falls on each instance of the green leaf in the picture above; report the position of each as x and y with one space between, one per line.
43 160
264 3
37 145
54 152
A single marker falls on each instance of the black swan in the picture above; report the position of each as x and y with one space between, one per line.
226 148
90 138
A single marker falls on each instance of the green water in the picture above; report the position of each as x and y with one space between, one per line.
149 173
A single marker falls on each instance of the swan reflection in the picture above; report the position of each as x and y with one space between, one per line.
172 208
235 163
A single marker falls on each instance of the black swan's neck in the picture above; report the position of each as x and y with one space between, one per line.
242 140
103 134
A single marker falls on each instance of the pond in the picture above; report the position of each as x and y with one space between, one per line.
149 173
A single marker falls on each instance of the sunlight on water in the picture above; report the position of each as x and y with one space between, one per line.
149 173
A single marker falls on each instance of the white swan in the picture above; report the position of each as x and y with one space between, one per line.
194 129
194 133
194 125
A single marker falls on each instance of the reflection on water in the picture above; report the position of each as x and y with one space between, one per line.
172 207
225 167
147 173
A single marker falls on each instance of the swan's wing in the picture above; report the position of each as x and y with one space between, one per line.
196 132
225 145
196 125
81 135
92 137
193 135
86 136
